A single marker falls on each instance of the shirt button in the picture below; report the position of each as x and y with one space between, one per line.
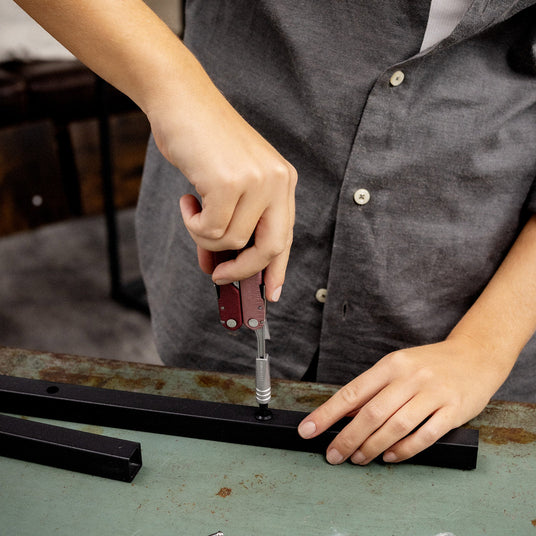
361 196
321 295
397 78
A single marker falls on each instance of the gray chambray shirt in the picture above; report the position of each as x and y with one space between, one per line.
416 172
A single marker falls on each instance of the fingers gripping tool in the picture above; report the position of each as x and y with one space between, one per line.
243 303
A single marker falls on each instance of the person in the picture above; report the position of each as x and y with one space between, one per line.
390 144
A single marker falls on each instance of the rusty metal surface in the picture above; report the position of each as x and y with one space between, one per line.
504 422
189 486
155 379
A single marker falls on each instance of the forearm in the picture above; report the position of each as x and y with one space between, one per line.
503 318
128 45
246 186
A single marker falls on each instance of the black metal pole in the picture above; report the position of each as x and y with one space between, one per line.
200 419
45 444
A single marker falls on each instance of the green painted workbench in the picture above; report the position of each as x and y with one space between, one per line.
194 487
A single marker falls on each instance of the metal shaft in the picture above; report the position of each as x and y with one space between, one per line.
263 387
261 342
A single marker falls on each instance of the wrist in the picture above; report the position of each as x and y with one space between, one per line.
495 361
172 79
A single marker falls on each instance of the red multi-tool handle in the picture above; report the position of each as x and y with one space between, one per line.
253 302
241 305
229 305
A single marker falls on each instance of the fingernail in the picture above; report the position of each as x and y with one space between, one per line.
334 457
220 282
277 294
389 457
358 457
307 429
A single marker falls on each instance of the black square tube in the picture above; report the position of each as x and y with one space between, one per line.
200 419
46 444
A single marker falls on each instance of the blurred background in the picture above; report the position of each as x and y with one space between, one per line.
71 157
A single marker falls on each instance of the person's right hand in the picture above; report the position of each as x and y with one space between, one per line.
246 187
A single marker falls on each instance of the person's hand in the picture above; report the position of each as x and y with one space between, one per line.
438 387
246 187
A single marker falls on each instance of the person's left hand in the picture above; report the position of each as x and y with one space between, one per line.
447 383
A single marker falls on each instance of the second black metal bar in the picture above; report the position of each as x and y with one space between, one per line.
200 419
56 446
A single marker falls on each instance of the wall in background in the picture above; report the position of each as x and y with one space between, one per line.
31 193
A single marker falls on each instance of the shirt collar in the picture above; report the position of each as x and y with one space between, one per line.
482 14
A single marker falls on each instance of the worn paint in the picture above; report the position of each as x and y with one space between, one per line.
224 492
499 435
57 374
235 392
313 399
506 423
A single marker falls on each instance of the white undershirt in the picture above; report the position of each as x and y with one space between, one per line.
443 18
